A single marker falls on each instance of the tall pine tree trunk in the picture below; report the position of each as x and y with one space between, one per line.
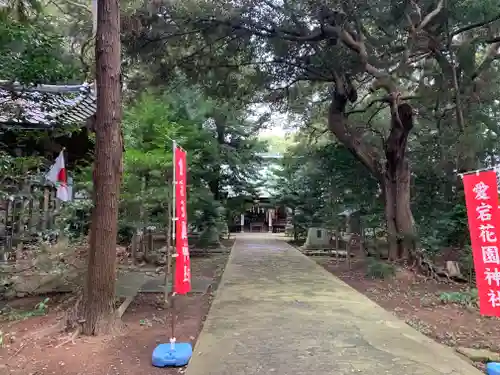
99 295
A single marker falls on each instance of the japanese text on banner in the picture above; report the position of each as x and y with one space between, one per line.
182 284
481 196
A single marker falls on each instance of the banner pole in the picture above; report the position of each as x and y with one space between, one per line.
174 252
477 171
177 354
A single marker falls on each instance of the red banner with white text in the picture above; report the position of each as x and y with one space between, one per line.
481 197
182 283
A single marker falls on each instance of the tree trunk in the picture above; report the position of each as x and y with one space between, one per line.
398 215
214 184
99 295
394 176
396 184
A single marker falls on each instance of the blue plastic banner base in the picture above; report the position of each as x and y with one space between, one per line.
165 356
493 368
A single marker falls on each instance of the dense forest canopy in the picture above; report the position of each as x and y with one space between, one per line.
385 78
388 101
392 82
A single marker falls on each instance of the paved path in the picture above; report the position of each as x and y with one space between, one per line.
278 312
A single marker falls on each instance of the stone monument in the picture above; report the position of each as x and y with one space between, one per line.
318 238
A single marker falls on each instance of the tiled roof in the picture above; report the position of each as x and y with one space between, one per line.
46 106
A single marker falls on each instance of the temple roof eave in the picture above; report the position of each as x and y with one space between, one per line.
45 106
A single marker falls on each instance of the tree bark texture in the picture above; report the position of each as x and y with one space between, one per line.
99 295
394 176
396 183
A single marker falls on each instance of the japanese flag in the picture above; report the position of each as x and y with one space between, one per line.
57 175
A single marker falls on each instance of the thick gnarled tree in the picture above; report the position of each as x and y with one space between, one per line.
357 55
393 175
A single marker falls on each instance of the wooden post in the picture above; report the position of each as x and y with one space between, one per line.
134 245
14 223
45 212
31 212
348 249
56 207
20 230
3 247
150 240
338 239
8 227
362 240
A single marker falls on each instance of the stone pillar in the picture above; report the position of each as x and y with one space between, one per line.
270 220
242 222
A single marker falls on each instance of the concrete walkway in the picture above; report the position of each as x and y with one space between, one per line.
278 312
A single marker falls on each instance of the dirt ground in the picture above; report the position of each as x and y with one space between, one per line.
415 300
147 323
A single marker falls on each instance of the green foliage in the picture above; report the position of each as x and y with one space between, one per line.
319 181
31 53
380 270
17 171
73 221
41 307
222 152
277 144
9 314
465 298
452 227
267 52
21 10
195 80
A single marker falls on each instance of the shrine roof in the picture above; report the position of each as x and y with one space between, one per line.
45 106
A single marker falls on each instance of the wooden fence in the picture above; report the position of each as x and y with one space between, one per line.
25 217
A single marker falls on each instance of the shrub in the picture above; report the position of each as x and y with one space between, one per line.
464 298
380 270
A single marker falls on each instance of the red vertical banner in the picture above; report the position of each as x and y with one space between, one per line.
481 197
182 283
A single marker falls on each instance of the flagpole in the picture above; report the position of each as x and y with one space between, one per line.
174 252
179 353
478 170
